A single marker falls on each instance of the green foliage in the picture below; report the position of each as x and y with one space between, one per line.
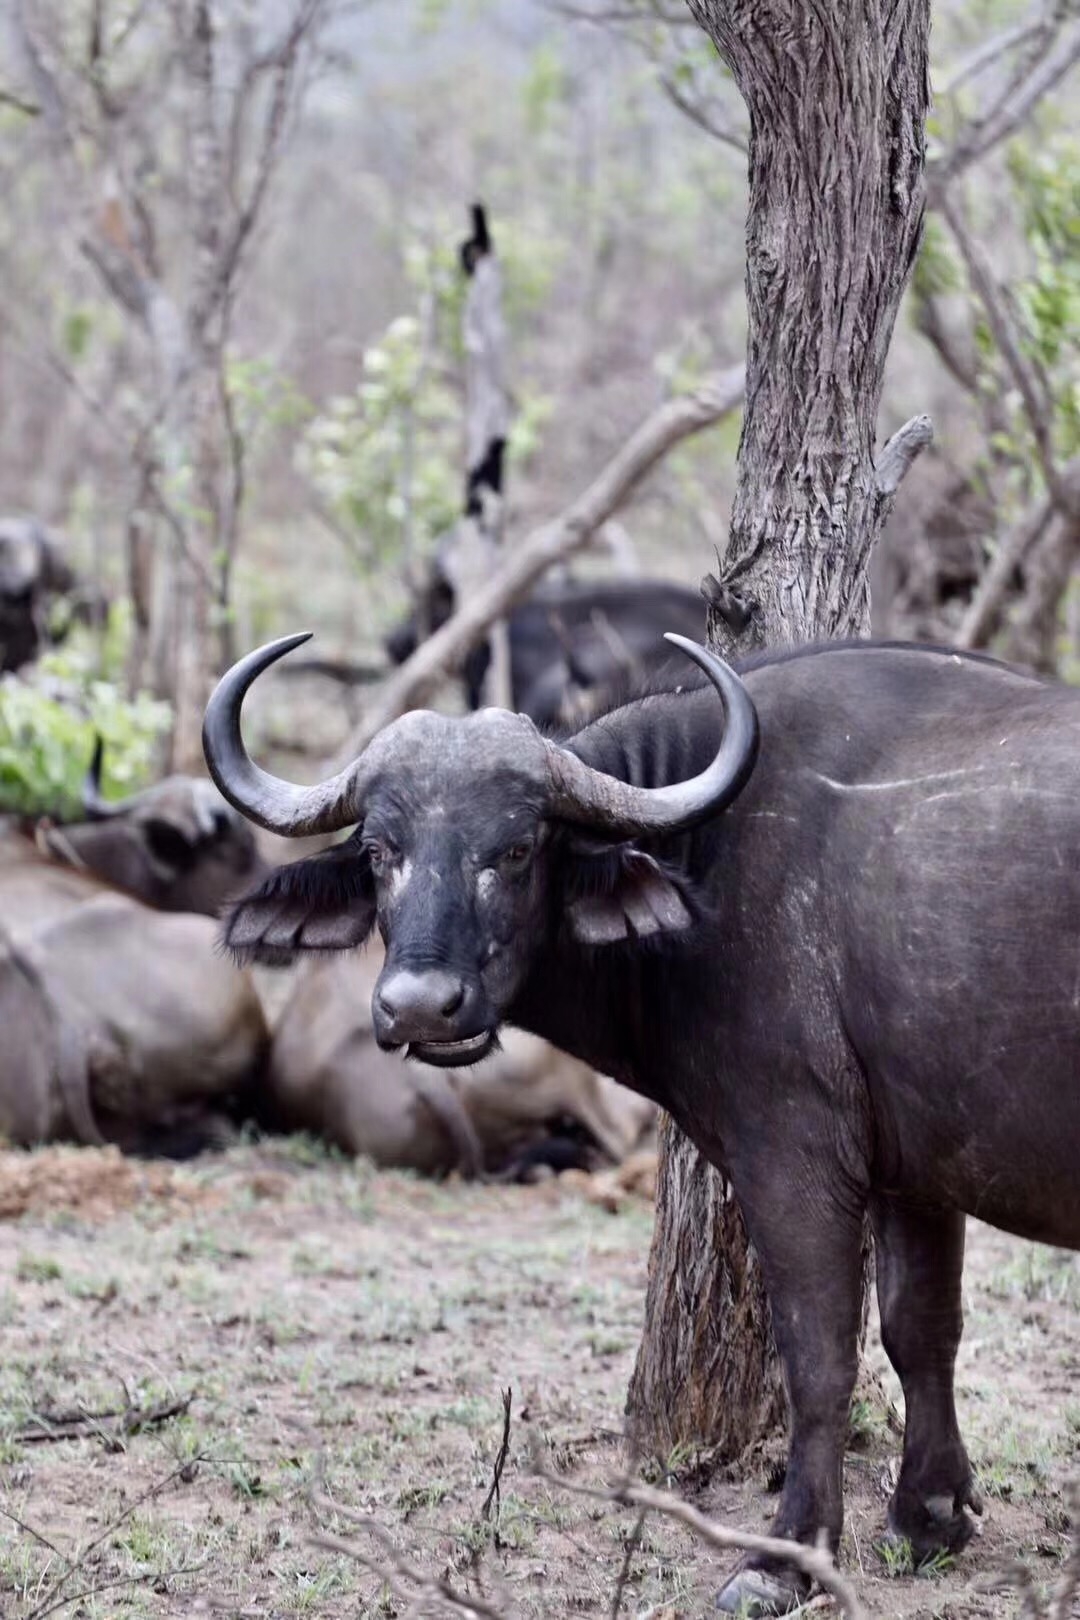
50 717
544 87
386 459
936 270
387 454
1047 181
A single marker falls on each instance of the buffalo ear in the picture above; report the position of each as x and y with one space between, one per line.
632 897
323 903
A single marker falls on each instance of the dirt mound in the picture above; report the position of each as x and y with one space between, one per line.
94 1182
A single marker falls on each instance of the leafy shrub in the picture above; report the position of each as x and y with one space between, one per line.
50 716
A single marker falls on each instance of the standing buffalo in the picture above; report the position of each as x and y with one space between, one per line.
828 916
124 1026
568 639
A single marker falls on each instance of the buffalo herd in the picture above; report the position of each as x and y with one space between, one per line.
823 909
130 1027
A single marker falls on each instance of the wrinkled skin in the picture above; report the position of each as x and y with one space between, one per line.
327 1075
141 1040
856 990
569 640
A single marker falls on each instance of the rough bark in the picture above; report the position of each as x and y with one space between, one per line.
837 97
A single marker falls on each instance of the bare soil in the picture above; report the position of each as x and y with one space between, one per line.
328 1322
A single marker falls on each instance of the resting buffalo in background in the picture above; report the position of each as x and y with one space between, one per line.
568 639
827 915
327 1075
33 570
129 1030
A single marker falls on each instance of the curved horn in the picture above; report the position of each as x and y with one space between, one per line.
277 805
621 810
95 807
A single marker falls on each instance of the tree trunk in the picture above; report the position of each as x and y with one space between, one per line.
837 97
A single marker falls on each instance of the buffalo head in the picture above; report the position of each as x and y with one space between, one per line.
475 840
177 846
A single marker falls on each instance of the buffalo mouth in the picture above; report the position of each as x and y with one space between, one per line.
453 1054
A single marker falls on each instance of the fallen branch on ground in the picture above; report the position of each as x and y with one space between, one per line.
815 1562
75 1422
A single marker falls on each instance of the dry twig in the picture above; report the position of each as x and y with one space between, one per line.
493 1495
111 1425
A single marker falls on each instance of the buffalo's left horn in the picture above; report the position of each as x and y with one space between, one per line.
619 809
95 807
279 806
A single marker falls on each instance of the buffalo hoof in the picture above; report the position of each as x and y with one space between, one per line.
934 1525
754 1593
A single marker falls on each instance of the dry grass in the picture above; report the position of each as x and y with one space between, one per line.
310 1308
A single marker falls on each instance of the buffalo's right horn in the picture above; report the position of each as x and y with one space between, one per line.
279 806
619 809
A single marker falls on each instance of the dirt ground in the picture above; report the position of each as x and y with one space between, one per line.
304 1318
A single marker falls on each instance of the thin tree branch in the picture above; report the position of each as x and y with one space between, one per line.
1056 51
443 652
1023 375
816 1563
900 452
984 56
984 610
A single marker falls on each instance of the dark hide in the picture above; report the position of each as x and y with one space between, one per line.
569 638
33 570
873 1010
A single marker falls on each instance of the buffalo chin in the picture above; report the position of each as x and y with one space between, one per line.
453 1054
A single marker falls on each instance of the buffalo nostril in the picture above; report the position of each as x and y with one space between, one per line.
453 1001
386 1007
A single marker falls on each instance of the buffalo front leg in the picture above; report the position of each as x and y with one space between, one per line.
810 1248
920 1257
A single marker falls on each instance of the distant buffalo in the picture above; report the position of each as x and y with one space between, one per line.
568 640
33 571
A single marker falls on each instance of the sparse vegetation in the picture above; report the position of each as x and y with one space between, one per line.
378 1339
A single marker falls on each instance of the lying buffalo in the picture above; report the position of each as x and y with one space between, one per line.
569 639
828 916
327 1075
129 1030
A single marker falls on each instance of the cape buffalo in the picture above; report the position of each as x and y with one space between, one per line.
569 639
129 1031
828 915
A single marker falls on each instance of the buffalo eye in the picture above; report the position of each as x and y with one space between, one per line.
381 853
517 857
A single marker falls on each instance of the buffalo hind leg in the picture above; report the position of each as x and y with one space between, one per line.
920 1257
810 1248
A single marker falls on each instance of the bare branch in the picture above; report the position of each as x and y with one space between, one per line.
984 610
1056 50
900 452
10 98
816 1563
394 1567
443 652
701 116
985 55
1036 405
